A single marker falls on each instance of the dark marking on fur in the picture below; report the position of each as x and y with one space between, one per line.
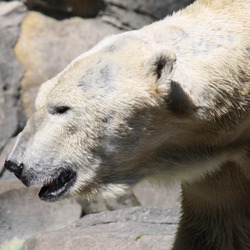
178 33
248 52
105 74
105 120
112 48
163 62
160 64
100 81
179 101
105 79
99 62
86 81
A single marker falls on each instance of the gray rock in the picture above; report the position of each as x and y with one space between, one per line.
123 14
151 195
4 154
125 18
108 241
11 15
22 213
158 216
11 184
6 175
101 204
134 14
156 9
132 228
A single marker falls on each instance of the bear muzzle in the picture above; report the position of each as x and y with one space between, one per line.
54 186
13 167
58 186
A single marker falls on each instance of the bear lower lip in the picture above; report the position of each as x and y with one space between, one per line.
54 189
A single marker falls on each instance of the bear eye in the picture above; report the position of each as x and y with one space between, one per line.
60 110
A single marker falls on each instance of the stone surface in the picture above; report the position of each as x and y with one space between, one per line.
10 184
44 51
150 195
4 153
125 18
11 15
101 204
123 14
155 8
100 241
22 213
132 228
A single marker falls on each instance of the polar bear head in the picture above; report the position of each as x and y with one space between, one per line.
100 124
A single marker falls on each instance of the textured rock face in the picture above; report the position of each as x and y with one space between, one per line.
4 153
22 213
134 14
11 71
150 195
131 228
97 241
157 9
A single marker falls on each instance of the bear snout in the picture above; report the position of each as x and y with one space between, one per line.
13 167
19 171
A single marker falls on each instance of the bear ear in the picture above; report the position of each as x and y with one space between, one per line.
177 100
164 64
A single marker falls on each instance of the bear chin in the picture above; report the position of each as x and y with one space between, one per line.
58 187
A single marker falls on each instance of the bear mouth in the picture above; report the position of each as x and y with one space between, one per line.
57 187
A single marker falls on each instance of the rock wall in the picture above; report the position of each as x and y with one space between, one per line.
11 71
38 38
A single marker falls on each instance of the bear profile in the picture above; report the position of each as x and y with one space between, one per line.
169 102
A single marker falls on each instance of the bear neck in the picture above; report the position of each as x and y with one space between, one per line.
215 212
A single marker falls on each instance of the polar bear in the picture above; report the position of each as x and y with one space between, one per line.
169 102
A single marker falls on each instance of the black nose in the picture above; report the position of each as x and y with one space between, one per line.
14 167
